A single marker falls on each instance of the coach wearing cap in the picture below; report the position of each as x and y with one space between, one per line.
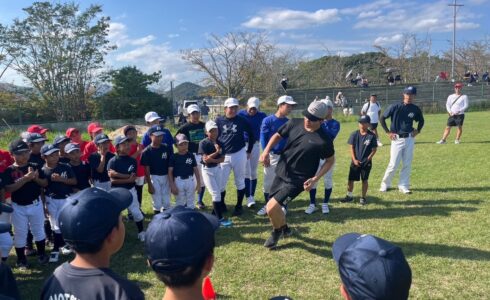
401 134
456 104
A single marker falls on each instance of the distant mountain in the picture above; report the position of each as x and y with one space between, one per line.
187 90
21 92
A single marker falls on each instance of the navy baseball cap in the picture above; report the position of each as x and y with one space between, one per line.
156 130
18 146
60 139
120 139
101 138
5 208
372 268
364 119
90 215
128 128
49 149
5 227
178 238
70 147
36 138
410 90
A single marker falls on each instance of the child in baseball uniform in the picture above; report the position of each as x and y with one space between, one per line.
122 173
8 285
98 162
135 152
363 144
61 181
155 159
6 242
25 181
212 155
181 172
60 143
79 167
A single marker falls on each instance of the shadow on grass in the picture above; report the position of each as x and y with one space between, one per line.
437 250
439 202
454 189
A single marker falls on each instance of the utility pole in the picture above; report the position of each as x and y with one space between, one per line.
454 5
172 97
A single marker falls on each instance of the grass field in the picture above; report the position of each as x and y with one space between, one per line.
443 228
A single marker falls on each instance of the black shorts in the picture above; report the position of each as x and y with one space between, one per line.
284 191
373 125
456 120
360 173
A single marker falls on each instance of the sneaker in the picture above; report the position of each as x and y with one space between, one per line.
325 209
66 250
22 265
262 211
457 142
404 190
225 223
200 205
141 236
43 259
30 252
441 142
271 242
383 188
310 209
250 202
54 257
363 201
380 144
347 199
238 211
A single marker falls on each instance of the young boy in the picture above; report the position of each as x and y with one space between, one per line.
122 173
60 143
24 181
135 152
76 137
180 173
94 129
6 241
155 159
151 119
79 167
92 226
61 181
98 162
212 156
363 147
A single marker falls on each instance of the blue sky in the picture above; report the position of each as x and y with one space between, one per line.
150 34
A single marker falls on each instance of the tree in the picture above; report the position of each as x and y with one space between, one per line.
59 49
131 82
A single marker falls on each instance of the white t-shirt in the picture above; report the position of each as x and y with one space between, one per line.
459 106
372 110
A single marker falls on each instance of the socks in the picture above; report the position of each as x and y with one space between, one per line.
201 195
313 196
139 192
140 226
328 192
349 194
58 242
21 257
223 204
30 239
266 197
253 187
240 196
217 210
41 247
247 187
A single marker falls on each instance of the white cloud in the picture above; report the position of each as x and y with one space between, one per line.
117 34
143 41
373 6
173 35
287 19
369 14
387 40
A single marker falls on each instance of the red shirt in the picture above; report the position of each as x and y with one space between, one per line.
90 148
5 161
140 170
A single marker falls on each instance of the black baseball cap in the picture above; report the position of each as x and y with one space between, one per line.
5 208
70 147
36 138
48 149
372 268
18 146
156 130
410 90
60 139
120 139
178 238
5 227
89 215
101 138
364 119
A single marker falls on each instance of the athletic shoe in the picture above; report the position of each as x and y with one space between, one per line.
310 209
22 265
141 236
54 257
457 142
287 232
200 205
43 259
262 211
404 190
363 201
325 209
30 252
66 250
383 188
380 144
271 242
441 142
225 223
238 211
250 202
347 199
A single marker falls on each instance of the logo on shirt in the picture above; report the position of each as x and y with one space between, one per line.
411 115
188 161
131 169
164 155
227 129
64 175
367 142
310 142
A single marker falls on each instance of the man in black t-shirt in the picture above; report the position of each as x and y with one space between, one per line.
91 224
297 167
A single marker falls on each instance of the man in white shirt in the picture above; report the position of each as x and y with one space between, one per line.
373 110
456 104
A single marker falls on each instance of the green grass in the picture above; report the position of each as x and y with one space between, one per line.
442 228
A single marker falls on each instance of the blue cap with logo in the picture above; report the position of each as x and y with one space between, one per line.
36 138
410 90
70 147
364 119
101 138
49 149
156 130
120 139
18 146
372 268
90 215
178 238
60 139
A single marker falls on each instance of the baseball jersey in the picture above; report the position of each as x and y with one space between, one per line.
183 164
254 121
92 148
456 107
331 128
30 191
157 159
167 138
55 189
402 117
94 161
79 283
64 160
231 134
37 160
194 133
123 165
363 144
82 173
206 146
268 128
372 110
300 158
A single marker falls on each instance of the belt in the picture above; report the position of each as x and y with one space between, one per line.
276 152
184 177
57 197
33 202
404 135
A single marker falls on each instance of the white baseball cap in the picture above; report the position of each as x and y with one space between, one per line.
210 125
286 99
231 102
328 102
253 102
192 108
152 116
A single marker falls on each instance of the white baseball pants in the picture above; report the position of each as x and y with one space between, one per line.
236 161
134 207
187 192
199 167
6 244
327 178
270 172
161 197
212 181
54 206
401 151
25 216
253 163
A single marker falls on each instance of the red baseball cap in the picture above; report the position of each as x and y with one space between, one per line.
94 127
37 129
70 131
458 85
